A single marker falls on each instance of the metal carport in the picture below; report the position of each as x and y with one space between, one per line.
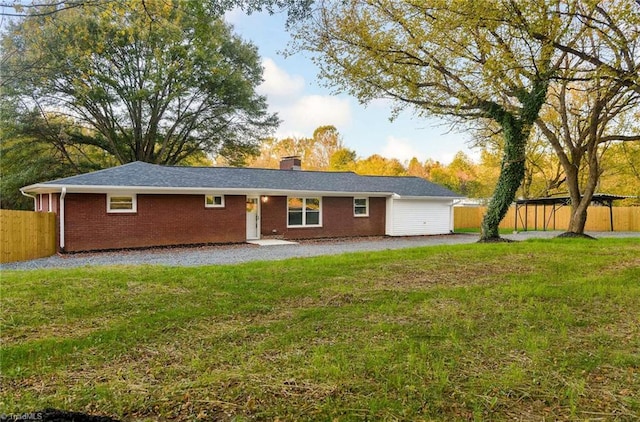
557 202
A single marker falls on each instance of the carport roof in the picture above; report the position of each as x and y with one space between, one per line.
599 198
144 177
560 201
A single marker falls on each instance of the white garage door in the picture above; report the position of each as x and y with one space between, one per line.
416 217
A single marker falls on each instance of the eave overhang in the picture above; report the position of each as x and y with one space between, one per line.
45 188
154 190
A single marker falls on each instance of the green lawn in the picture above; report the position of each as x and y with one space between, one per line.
537 330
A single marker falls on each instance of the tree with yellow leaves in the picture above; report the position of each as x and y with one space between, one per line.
468 60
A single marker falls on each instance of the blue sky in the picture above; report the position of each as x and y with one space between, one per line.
295 93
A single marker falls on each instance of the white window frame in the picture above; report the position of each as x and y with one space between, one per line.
214 205
366 206
304 213
134 203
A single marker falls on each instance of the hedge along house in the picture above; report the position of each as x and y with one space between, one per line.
139 205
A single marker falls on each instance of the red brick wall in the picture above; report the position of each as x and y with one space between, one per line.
164 220
273 216
337 219
160 220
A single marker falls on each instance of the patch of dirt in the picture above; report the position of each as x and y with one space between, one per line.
344 299
623 265
476 273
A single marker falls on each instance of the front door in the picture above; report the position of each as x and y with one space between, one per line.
253 218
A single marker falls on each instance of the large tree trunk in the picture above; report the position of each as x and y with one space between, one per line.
578 219
516 132
580 200
511 176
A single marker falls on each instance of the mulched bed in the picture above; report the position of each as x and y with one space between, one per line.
496 240
572 235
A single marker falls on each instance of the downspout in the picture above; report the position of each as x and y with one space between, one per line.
35 200
62 195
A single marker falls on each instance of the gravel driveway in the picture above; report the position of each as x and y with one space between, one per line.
232 254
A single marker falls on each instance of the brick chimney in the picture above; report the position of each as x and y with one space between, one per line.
290 163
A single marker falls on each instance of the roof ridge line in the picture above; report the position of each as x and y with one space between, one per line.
262 168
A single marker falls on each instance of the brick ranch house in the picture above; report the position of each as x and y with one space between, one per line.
139 205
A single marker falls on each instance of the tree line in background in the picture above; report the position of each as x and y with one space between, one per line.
544 176
325 150
550 88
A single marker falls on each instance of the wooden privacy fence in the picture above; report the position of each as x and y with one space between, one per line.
543 218
26 235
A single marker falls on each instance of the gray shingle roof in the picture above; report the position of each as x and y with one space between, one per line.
139 174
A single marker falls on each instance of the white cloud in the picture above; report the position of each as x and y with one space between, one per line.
402 149
300 114
312 111
307 113
278 84
446 157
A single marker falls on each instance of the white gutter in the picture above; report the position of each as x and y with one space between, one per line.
62 195
50 188
439 198
35 208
